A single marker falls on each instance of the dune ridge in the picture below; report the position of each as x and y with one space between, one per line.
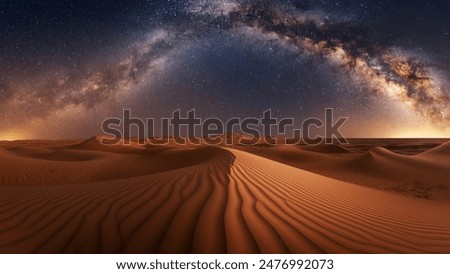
423 175
210 200
340 217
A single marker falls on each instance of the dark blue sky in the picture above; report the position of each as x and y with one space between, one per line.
68 65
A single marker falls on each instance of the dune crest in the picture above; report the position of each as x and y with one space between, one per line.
211 200
424 175
306 212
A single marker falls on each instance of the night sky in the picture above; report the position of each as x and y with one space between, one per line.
65 66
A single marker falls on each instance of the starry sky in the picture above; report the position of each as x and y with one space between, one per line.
65 66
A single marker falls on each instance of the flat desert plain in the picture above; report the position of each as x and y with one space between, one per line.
372 196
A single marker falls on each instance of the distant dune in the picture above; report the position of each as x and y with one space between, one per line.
83 197
424 175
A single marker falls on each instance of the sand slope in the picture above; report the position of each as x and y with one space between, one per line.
424 175
210 200
305 212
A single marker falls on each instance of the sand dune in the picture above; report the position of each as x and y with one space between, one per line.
129 215
203 200
88 163
326 149
335 216
441 152
423 175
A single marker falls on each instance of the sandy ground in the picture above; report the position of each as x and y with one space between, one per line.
374 196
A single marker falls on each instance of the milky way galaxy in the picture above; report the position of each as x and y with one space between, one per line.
67 67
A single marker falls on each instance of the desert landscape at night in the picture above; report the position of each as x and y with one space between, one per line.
375 73
372 196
